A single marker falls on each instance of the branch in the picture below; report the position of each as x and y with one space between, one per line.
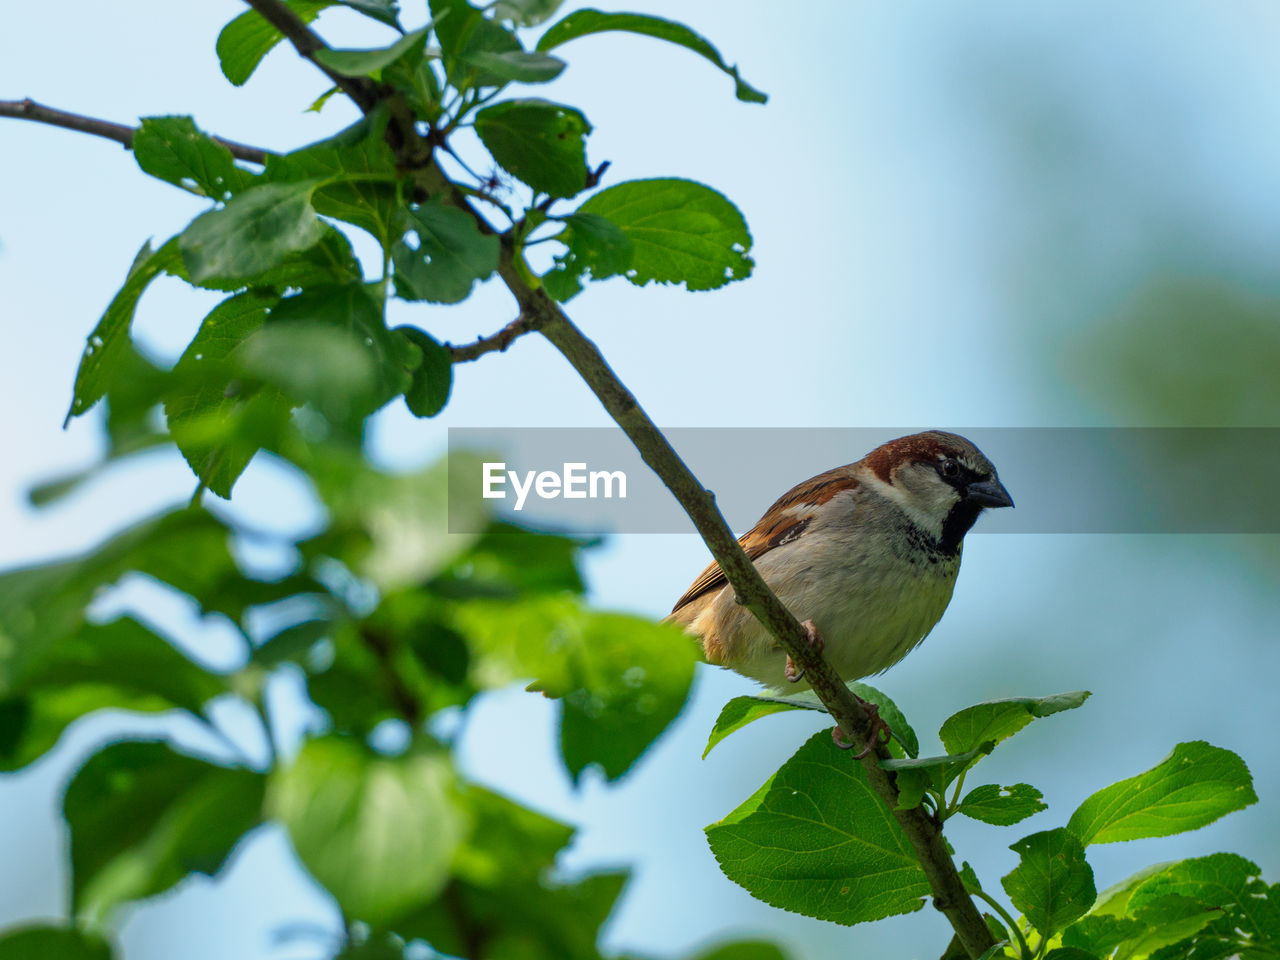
360 89
922 831
499 341
28 109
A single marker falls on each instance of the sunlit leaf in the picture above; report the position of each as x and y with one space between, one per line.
1193 786
143 816
821 842
1053 883
172 149
249 37
680 232
580 23
998 720
379 832
1002 806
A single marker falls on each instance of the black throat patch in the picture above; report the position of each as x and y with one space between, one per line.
959 521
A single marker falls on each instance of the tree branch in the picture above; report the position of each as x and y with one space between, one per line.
499 341
922 831
360 89
28 109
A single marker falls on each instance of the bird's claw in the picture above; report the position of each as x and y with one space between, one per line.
876 728
793 673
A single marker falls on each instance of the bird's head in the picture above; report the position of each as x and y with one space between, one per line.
940 480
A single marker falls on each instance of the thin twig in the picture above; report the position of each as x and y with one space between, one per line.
360 89
922 831
121 133
498 341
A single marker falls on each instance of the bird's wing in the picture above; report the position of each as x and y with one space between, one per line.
783 522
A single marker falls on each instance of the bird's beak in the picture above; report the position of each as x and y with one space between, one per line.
988 493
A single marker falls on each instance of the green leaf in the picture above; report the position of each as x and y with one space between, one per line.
596 246
384 11
1069 953
998 720
379 833
516 65
1053 883
110 338
330 347
41 942
734 716
432 378
509 561
739 712
938 772
820 842
1002 806
1193 786
450 256
364 63
252 234
680 232
1224 881
360 179
142 817
526 13
541 143
622 679
744 950
217 419
172 149
1167 920
1099 934
463 31
580 23
248 38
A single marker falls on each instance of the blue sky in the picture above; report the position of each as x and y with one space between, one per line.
944 202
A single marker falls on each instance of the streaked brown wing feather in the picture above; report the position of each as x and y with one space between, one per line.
781 524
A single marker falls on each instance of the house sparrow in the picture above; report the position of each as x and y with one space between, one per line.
866 553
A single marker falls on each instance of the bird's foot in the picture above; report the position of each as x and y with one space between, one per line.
791 671
874 731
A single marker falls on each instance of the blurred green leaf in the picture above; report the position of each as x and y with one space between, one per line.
110 338
1069 953
328 261
1098 934
464 31
1053 883
364 63
539 142
508 561
248 38
1163 922
1226 882
622 679
1002 806
450 256
142 817
384 11
359 179
432 377
526 13
42 942
998 720
1193 786
255 232
580 23
218 420
379 833
380 948
500 894
744 950
596 247
172 149
680 232
821 842
516 65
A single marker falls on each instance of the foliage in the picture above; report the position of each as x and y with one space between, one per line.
396 626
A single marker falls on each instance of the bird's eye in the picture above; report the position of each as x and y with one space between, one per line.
950 468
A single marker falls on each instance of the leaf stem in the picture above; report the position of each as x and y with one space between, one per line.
1008 920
